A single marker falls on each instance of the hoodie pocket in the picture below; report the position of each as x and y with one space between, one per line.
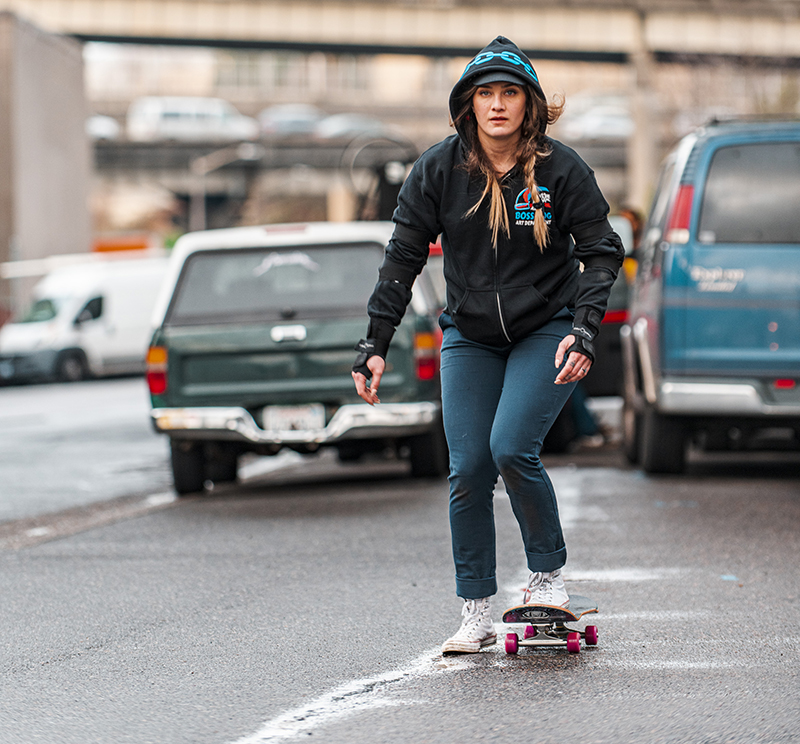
519 304
476 317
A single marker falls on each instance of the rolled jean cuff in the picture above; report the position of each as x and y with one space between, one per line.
546 562
476 588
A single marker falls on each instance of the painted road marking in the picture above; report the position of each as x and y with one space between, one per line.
25 533
350 698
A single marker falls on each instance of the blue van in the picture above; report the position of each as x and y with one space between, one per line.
711 349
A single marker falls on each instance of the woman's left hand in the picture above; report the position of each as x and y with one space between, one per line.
577 366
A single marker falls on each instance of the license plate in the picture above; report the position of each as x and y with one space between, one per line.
294 418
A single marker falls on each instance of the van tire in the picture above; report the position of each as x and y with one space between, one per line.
631 433
188 466
663 447
71 366
429 454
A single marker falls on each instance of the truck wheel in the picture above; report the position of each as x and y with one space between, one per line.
430 457
631 433
663 447
71 366
222 463
188 466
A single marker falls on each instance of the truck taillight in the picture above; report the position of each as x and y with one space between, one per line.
156 370
680 219
615 316
426 355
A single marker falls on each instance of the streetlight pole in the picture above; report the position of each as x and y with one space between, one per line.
205 164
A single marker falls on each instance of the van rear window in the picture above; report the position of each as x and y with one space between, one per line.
269 284
752 195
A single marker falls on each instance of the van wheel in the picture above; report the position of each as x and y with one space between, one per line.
631 433
663 448
430 457
71 366
188 466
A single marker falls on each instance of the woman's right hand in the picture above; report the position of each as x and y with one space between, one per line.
376 365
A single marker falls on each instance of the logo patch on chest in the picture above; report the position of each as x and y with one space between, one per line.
525 207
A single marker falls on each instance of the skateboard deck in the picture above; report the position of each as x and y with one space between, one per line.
547 625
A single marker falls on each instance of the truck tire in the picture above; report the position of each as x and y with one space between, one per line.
188 466
222 463
631 433
430 457
71 366
663 446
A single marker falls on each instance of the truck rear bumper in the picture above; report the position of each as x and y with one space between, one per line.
349 422
698 397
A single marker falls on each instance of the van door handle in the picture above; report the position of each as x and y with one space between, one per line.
288 333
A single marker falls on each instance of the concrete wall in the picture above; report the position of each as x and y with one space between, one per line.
45 157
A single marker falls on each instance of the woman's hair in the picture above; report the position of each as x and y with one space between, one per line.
531 148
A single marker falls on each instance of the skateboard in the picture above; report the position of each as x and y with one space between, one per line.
547 625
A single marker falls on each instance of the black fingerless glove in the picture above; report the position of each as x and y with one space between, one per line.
367 348
582 345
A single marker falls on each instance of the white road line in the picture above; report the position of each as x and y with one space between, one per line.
370 693
30 531
348 699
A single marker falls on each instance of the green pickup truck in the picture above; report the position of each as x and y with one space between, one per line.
254 342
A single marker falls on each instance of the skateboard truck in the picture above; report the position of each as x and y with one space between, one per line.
546 625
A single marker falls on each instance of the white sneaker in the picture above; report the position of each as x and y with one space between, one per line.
546 589
476 631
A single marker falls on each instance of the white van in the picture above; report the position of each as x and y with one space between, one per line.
187 118
85 320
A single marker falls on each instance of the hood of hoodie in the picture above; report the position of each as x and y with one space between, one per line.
501 55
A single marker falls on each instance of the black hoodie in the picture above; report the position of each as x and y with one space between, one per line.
497 297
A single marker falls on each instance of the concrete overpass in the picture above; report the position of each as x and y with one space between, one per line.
636 33
596 30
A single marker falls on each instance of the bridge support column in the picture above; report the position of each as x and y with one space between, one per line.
643 144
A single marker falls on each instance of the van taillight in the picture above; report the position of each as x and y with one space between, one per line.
156 373
680 218
426 355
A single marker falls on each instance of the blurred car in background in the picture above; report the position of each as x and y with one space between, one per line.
596 117
339 126
711 349
254 345
187 118
289 119
101 127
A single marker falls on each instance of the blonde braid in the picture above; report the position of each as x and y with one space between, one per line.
540 232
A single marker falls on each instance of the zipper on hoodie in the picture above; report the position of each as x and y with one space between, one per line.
497 297
495 251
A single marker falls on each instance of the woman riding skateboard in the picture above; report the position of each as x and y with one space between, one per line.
518 213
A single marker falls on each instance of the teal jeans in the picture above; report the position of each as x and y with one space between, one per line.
498 404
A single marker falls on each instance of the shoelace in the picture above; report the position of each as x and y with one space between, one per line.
473 613
539 586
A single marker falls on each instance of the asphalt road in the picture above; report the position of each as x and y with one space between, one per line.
311 601
63 446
